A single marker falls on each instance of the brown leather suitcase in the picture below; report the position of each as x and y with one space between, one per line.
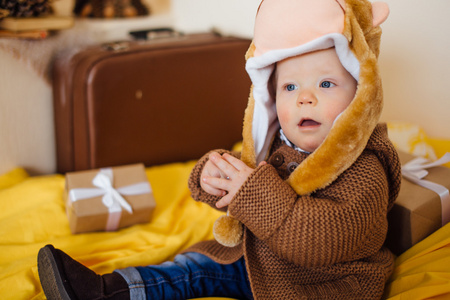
141 101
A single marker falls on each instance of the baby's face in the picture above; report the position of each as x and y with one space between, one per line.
311 91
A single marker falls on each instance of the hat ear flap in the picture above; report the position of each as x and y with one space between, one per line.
380 12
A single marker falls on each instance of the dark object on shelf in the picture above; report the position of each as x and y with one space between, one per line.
110 8
25 8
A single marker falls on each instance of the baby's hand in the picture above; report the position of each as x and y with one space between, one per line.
234 173
210 170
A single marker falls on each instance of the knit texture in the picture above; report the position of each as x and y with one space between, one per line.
326 245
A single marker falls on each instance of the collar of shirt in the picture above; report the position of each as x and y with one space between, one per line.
285 139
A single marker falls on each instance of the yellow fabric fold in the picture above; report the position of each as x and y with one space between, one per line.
12 177
423 272
440 147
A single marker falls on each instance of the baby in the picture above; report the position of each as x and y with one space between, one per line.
311 187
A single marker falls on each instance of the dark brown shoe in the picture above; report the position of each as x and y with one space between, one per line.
64 278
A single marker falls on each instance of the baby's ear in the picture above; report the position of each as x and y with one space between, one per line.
380 12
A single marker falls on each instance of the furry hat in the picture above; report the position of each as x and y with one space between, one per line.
287 28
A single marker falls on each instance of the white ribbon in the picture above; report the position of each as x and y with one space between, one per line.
112 198
415 172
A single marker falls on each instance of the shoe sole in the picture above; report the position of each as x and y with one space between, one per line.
50 277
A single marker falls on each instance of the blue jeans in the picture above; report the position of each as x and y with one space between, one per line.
190 275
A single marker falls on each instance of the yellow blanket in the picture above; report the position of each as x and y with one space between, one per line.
32 214
423 272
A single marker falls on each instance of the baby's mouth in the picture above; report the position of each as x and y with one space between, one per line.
308 122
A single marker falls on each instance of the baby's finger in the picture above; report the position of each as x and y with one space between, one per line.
212 190
211 169
263 163
225 167
217 183
235 162
225 201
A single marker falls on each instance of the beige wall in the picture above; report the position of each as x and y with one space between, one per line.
415 64
26 118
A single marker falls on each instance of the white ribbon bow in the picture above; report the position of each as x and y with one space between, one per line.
112 198
415 171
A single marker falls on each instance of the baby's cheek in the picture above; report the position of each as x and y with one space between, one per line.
283 117
331 114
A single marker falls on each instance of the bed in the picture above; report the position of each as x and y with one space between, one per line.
32 214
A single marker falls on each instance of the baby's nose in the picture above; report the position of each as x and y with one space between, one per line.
306 97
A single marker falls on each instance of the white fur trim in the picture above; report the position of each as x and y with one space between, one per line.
265 123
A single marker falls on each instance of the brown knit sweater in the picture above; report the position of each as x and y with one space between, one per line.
328 245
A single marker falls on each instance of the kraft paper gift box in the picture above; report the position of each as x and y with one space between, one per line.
418 211
108 199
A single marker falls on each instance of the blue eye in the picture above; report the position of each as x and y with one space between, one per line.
290 87
326 84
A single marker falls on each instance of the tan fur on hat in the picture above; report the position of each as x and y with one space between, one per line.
350 133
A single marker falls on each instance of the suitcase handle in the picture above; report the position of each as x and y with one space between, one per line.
146 35
155 33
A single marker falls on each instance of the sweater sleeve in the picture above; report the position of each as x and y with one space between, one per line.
343 222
